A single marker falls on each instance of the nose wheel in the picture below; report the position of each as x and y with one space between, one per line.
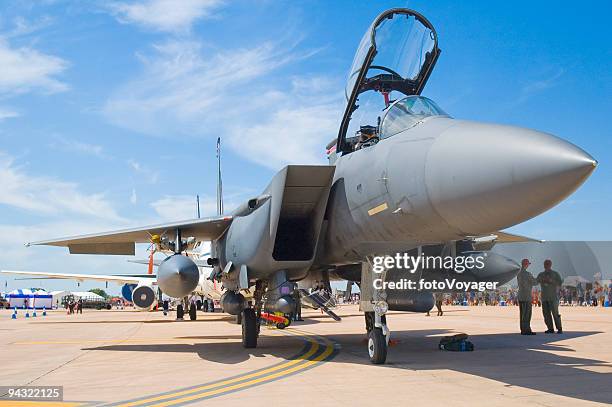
377 346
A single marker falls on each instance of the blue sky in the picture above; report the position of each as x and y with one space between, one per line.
109 111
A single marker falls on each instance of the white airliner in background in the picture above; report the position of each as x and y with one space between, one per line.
141 289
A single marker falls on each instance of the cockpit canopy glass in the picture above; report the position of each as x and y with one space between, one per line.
407 113
402 43
394 60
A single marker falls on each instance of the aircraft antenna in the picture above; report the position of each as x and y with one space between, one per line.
198 205
219 181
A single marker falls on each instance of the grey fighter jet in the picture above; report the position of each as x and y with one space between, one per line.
403 176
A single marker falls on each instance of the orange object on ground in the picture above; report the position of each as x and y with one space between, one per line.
274 318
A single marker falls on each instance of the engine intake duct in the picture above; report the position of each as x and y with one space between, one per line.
304 195
143 296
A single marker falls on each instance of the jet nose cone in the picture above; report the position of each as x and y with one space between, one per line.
484 177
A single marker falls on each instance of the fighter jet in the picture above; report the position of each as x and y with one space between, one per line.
403 176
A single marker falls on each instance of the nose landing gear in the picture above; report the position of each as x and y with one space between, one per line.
378 338
373 303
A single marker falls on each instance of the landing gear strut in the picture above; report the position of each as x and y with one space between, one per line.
374 304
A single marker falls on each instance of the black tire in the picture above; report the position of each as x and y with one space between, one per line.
193 312
377 346
281 325
249 328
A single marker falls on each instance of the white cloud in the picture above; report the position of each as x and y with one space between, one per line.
291 135
48 195
181 207
133 197
164 15
185 91
7 114
23 26
151 176
24 69
78 147
537 86
181 83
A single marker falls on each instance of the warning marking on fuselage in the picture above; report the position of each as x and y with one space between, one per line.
378 209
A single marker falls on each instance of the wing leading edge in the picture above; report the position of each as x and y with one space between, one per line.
80 277
122 242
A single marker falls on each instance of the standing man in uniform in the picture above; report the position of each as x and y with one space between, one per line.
526 281
297 314
550 281
439 297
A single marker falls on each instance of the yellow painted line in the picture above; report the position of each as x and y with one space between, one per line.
13 403
300 359
79 342
378 209
328 351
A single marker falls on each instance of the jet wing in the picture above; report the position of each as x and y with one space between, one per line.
505 237
487 242
80 277
122 242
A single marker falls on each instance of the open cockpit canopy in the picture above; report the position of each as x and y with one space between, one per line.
406 113
395 58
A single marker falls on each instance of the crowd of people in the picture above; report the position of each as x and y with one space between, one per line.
568 296
74 307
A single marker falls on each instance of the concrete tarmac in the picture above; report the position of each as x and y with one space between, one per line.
135 358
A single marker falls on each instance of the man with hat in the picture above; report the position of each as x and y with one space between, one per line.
550 281
526 281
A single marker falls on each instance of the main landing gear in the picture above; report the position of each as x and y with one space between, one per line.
249 317
193 312
250 328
